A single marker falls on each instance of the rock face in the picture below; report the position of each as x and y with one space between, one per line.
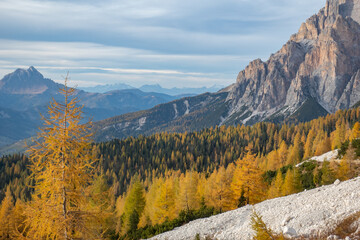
321 62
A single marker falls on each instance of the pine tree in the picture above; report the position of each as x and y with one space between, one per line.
61 165
134 202
327 174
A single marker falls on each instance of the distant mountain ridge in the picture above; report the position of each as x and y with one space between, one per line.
154 88
25 93
315 73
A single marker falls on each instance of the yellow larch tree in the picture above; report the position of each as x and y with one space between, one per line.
149 216
6 218
18 219
338 136
355 133
164 205
308 147
62 168
283 153
188 192
275 189
290 184
247 180
345 170
218 192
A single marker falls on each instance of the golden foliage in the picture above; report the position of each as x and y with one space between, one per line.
248 179
62 167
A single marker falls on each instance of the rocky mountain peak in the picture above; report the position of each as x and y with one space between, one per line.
345 8
320 63
25 81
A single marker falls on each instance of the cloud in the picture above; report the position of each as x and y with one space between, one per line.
179 40
89 62
178 26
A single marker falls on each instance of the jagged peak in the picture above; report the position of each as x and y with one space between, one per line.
345 8
32 69
23 81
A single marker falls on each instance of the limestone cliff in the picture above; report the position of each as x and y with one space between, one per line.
321 62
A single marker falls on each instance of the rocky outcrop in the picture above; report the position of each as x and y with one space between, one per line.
320 62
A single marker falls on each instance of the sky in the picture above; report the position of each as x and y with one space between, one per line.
174 43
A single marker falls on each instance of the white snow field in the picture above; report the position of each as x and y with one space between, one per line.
308 212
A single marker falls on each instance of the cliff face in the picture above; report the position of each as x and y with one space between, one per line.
321 62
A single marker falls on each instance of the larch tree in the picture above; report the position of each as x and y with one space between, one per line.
6 218
355 131
275 189
188 191
283 153
164 204
290 185
247 180
62 168
218 193
345 170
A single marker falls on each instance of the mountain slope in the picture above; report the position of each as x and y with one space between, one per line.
308 212
26 93
186 114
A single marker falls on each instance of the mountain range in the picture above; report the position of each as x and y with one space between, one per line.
154 88
25 93
315 73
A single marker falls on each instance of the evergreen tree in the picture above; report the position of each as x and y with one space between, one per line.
134 203
327 176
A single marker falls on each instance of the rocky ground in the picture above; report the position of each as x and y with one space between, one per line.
303 214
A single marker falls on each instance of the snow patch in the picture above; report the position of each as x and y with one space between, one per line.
142 122
186 102
175 110
4 115
303 213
